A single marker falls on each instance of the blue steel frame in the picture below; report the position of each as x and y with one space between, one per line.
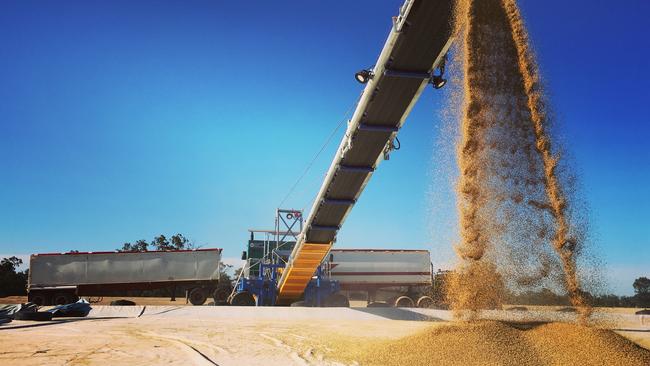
320 288
264 288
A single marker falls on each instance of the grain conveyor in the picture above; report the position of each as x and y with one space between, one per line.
416 47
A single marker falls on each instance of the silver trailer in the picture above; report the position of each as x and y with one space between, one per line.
57 278
396 277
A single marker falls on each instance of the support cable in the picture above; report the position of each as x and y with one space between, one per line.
313 160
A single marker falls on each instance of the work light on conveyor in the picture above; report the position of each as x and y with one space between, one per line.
438 81
363 76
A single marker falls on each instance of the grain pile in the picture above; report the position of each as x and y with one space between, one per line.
518 232
495 343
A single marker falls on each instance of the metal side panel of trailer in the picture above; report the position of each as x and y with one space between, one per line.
73 269
372 269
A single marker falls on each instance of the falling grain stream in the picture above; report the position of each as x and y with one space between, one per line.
516 233
520 227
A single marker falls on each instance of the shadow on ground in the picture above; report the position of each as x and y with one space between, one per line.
399 314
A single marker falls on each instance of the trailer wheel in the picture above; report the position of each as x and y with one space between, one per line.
39 299
404 302
198 296
61 298
337 301
243 298
220 295
425 302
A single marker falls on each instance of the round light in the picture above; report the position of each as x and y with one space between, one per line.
438 82
363 76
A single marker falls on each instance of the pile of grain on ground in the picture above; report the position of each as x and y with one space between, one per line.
496 343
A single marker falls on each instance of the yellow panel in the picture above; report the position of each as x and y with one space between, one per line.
301 270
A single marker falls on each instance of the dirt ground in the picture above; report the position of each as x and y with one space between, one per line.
180 301
206 335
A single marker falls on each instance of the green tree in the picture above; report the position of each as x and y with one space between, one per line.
641 285
12 282
180 242
139 246
126 247
10 264
160 242
642 291
223 272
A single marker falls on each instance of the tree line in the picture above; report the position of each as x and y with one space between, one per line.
640 299
160 242
12 281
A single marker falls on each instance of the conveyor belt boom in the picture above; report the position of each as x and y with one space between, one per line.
417 44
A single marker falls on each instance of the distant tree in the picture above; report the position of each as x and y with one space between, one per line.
139 246
180 242
10 264
12 282
223 272
607 300
126 247
160 242
641 285
73 251
642 291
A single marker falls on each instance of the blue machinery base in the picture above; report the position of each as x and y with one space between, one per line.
264 288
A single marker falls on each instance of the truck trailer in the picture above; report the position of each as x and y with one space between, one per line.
394 277
60 278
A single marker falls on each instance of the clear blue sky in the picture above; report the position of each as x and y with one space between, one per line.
121 120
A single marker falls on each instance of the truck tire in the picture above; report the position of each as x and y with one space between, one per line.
39 299
62 298
198 296
337 301
36 316
425 302
404 302
243 298
220 295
